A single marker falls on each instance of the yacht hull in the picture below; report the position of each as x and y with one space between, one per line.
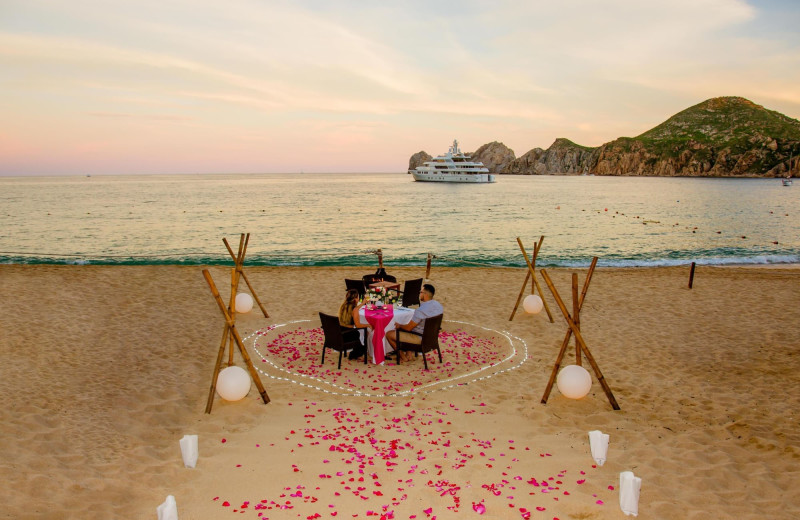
452 177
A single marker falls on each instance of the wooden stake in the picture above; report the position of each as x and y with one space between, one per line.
230 328
691 276
580 341
428 268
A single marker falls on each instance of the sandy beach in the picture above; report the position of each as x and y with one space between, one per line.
106 368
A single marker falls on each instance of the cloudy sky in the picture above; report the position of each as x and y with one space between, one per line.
248 86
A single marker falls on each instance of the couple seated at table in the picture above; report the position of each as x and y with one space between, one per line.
411 332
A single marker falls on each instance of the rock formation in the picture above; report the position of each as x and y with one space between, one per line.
418 159
720 137
562 158
495 156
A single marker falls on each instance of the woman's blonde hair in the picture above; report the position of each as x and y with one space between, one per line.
347 306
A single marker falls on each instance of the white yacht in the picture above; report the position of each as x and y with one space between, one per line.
453 166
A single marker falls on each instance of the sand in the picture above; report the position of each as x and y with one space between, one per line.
106 368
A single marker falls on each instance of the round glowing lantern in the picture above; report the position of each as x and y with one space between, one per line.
233 383
574 381
533 304
244 303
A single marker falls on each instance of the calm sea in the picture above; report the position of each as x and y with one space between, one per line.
334 219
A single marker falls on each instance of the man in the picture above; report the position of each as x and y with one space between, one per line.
411 332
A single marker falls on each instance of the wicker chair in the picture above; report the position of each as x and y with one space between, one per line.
334 339
410 292
429 341
358 285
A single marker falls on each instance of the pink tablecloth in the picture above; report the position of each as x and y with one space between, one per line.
379 319
383 320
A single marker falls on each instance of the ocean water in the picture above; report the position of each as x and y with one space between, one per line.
336 219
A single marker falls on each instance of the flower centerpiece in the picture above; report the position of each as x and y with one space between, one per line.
380 296
377 295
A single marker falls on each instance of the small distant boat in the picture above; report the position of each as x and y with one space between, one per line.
453 166
787 181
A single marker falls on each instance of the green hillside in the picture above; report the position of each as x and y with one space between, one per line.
724 122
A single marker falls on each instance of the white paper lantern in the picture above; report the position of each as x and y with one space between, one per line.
574 381
244 303
533 304
233 383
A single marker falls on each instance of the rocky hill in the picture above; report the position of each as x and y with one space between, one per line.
720 137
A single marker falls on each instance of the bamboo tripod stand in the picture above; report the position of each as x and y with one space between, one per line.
230 329
230 334
573 323
531 275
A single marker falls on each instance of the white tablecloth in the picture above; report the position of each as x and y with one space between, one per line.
402 315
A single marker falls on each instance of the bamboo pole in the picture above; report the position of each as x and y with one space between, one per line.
230 251
581 342
220 355
576 314
586 282
554 372
521 292
255 296
244 249
537 248
232 309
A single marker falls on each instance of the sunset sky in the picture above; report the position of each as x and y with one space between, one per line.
259 86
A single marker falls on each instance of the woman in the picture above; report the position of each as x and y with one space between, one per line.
350 322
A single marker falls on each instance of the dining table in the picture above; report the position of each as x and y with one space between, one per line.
382 319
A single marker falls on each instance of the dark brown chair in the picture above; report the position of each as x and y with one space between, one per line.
383 276
370 278
355 284
334 339
411 291
430 340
